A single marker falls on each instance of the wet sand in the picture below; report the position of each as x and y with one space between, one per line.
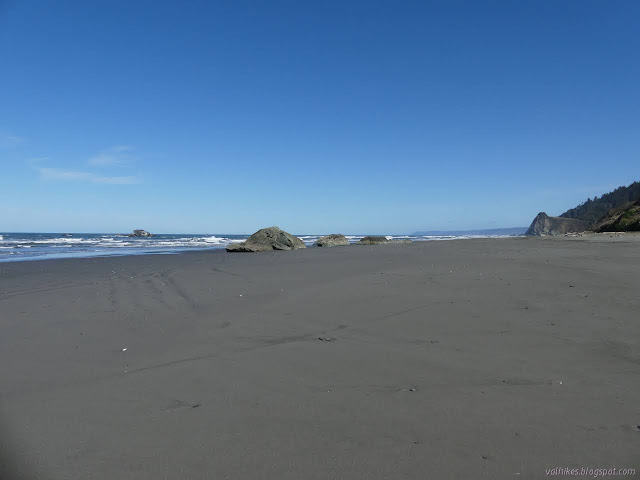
487 358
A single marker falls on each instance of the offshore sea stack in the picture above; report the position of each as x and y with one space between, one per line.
267 239
333 240
373 240
140 233
543 225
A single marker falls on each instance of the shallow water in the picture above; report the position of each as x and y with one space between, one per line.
34 246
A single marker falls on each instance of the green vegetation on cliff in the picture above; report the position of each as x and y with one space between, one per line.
593 210
623 219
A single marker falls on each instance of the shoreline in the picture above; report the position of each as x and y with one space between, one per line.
374 362
179 251
132 253
171 250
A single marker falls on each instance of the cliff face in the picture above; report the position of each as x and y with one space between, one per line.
543 224
625 219
617 211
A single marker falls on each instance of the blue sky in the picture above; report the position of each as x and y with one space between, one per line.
359 117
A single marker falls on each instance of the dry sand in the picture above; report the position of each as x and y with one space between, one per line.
461 359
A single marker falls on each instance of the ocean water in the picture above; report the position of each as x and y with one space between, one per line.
38 246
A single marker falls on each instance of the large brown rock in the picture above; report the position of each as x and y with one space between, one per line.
271 238
333 240
543 225
373 240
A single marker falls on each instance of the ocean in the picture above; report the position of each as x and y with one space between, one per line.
39 246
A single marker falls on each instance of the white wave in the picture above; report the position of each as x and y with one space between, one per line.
118 244
109 239
213 239
458 237
309 239
109 244
68 241
181 242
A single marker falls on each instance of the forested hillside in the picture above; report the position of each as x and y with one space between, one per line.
594 210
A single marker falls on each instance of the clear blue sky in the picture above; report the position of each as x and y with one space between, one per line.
376 117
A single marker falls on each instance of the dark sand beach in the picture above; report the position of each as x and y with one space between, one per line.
466 359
